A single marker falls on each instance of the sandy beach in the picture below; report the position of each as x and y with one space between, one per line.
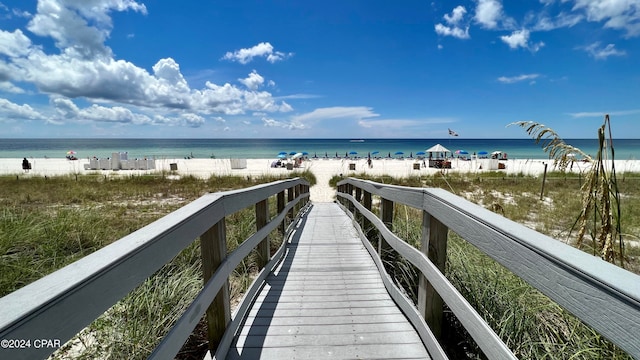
323 169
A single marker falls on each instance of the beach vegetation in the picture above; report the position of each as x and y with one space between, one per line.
531 324
47 223
600 218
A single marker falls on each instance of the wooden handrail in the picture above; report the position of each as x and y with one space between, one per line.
61 304
601 294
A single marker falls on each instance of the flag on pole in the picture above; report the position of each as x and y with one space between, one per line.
452 133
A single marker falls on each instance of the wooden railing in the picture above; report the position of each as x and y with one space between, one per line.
602 295
50 311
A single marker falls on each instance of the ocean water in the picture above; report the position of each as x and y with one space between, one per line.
625 149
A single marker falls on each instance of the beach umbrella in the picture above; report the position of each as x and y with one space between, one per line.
292 153
399 153
496 152
282 156
419 153
353 153
461 152
411 155
282 153
305 153
482 153
375 153
296 155
71 152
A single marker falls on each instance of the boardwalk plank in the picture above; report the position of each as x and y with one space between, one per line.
326 300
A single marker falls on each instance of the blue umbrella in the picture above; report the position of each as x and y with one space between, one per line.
282 156
482 153
282 153
461 152
305 153
421 153
399 153
292 153
353 153
375 153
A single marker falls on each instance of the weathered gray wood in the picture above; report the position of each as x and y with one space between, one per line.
280 206
482 333
262 217
386 215
601 294
213 246
325 253
172 343
55 307
434 245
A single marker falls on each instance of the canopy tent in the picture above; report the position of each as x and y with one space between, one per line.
438 148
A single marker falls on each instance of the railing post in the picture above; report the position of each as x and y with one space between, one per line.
357 215
434 245
290 197
296 195
386 215
213 248
280 206
368 230
262 217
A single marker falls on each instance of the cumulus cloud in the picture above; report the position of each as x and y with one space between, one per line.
621 15
454 24
84 68
519 78
520 39
79 27
9 110
263 49
597 51
488 13
253 82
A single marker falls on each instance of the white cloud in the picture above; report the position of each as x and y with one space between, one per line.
79 27
452 31
263 49
253 82
9 110
83 67
546 23
6 86
488 13
293 125
457 15
616 14
600 114
519 78
338 112
454 25
520 38
601 53
14 44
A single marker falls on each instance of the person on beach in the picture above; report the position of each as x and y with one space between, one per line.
26 166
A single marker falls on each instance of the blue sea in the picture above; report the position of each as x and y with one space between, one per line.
625 149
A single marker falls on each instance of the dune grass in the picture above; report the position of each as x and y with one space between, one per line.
47 223
532 325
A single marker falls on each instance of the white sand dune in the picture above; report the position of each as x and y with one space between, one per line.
322 169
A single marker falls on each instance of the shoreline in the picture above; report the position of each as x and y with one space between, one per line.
323 169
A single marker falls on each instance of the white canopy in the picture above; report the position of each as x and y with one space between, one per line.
438 148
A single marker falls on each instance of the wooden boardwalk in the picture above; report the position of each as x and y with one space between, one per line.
326 301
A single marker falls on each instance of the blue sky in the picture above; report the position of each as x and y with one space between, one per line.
311 69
